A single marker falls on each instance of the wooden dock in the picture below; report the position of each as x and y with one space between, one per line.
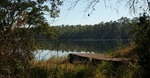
93 58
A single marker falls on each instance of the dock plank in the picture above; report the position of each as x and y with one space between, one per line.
93 57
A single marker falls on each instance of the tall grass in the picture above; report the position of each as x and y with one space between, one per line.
61 68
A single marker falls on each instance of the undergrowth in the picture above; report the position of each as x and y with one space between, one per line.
61 68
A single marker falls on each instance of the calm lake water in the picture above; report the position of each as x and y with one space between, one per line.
50 49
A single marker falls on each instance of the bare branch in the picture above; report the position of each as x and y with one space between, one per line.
73 3
134 6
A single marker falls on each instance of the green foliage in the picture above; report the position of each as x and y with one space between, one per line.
17 17
18 13
15 53
44 31
142 32
109 30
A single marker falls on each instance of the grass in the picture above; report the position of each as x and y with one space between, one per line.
125 51
61 68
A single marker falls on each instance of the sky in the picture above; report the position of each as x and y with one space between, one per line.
102 12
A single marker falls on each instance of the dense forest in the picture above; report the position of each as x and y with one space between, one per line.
120 29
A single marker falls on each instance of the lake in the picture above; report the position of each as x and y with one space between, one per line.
50 48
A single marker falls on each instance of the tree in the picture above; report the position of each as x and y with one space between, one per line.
142 32
17 17
109 30
18 13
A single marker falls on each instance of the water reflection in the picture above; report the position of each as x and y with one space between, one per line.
62 48
46 54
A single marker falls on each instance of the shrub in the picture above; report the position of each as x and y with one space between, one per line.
142 33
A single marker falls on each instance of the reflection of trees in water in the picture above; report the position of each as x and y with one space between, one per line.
78 46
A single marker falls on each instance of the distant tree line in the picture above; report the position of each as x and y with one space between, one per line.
120 29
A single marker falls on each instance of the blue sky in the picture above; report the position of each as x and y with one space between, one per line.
102 13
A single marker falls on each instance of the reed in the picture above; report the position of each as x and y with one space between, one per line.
61 68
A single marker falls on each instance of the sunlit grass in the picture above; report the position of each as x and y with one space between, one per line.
123 51
61 68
